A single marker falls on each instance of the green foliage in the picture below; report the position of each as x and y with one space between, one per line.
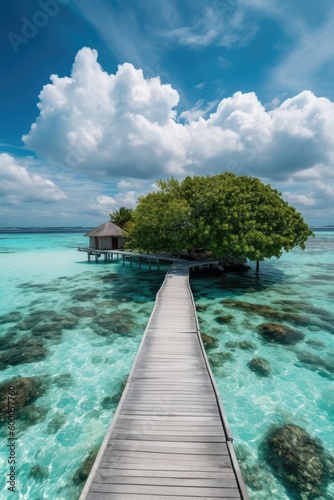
225 214
161 220
122 217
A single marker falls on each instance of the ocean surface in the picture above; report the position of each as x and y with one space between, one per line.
70 329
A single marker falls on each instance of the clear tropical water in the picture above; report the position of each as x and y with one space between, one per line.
81 367
299 389
81 325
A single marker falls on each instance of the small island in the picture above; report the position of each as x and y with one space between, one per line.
226 218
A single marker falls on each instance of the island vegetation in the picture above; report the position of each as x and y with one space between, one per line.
224 214
121 217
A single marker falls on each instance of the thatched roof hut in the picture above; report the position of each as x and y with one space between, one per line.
108 236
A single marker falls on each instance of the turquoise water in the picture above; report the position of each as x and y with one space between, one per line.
300 387
80 367
67 313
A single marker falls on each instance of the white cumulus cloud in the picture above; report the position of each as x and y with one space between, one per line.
123 125
299 199
19 185
106 204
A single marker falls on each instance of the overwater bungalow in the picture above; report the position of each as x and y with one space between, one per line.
107 236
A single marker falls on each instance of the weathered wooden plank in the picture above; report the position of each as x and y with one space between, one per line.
177 458
171 436
202 401
182 429
105 476
166 467
173 418
162 413
168 447
166 490
200 474
145 496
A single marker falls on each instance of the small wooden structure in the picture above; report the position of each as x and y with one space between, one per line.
108 236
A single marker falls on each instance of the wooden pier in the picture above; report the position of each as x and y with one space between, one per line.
131 257
140 258
169 437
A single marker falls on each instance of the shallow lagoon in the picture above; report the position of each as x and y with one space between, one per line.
83 362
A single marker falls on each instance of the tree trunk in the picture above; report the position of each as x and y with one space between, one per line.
257 266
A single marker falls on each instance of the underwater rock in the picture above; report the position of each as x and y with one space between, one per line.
56 422
271 312
230 344
39 473
12 317
63 380
117 396
83 471
44 328
47 334
67 323
27 389
8 340
145 310
201 307
33 414
102 331
246 344
119 321
40 287
85 296
209 342
223 318
40 314
217 359
260 366
316 343
96 360
82 312
324 277
110 277
299 461
314 361
107 403
61 320
108 303
300 305
123 322
27 351
274 332
253 471
47 324
26 324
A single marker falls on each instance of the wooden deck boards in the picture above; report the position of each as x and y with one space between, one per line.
169 437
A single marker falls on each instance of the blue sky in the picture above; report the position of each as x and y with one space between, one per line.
100 98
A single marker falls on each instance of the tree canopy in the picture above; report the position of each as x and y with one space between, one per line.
224 214
121 217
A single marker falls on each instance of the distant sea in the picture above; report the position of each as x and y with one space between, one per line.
71 329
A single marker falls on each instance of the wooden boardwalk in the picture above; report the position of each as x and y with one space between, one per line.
169 437
138 257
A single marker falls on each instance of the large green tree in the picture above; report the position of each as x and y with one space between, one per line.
225 214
